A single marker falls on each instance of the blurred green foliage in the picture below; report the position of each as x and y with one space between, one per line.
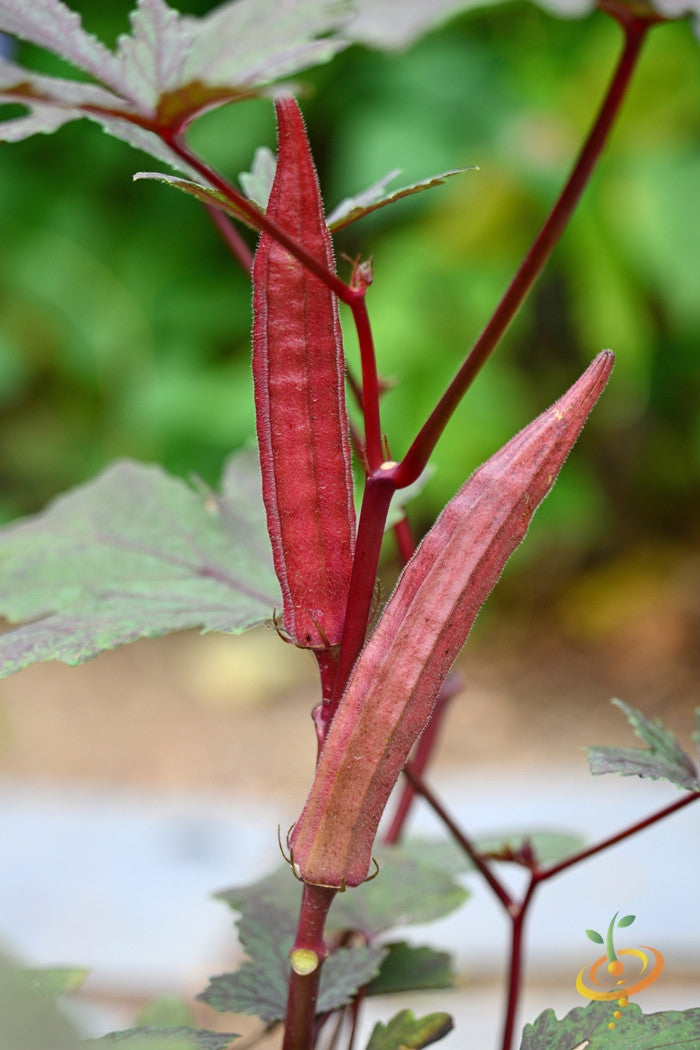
124 323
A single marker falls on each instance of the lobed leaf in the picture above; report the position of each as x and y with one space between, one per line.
664 759
407 1032
302 424
392 688
135 554
587 1028
168 70
259 986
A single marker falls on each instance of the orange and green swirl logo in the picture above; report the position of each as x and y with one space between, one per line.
618 974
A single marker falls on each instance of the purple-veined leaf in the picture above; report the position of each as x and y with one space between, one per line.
168 70
135 554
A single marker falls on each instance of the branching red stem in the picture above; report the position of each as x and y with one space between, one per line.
418 454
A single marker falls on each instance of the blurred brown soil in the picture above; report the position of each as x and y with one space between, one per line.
214 713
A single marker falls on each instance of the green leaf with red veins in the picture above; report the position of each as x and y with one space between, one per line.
298 373
390 694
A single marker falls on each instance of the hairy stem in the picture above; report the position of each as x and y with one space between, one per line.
418 454
307 958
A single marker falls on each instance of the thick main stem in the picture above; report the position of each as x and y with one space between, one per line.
307 958
418 454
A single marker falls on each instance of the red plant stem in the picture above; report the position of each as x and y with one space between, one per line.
517 910
370 533
538 876
422 788
239 249
518 915
416 458
260 221
352 295
374 454
405 541
300 1022
576 858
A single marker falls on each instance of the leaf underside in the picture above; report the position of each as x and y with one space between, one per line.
663 759
587 1026
258 182
133 554
168 70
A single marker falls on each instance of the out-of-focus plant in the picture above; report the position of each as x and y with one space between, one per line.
136 553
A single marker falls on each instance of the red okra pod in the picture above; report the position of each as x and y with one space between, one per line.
302 424
393 686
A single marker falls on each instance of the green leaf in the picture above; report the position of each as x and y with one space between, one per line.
663 760
135 554
347 970
168 70
202 193
168 1011
259 986
257 184
408 968
373 198
57 980
407 1032
408 889
587 1027
626 920
158 1037
547 847
594 936
29 1018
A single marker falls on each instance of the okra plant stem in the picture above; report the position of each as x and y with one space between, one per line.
415 460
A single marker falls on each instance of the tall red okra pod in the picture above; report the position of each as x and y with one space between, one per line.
302 424
391 691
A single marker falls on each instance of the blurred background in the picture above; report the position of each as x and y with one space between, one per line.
125 330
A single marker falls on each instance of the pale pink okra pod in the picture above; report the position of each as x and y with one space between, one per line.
391 691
